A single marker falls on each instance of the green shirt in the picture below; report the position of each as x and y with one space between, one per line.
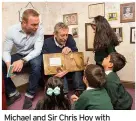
101 54
120 98
94 99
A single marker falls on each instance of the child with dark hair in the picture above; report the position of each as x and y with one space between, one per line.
54 98
105 39
120 98
95 97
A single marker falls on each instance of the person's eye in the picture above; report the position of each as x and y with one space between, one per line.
62 35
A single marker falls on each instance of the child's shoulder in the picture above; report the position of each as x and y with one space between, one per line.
86 94
89 92
113 78
113 75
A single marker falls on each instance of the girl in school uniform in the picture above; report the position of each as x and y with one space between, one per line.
54 98
105 39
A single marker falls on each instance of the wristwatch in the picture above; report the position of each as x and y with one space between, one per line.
24 60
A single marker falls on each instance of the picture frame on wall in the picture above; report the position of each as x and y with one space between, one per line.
119 33
96 9
127 12
89 37
70 19
28 6
112 16
75 32
132 35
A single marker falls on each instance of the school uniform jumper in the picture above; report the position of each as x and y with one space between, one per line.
120 98
94 99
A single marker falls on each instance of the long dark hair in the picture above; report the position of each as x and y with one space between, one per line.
104 35
54 102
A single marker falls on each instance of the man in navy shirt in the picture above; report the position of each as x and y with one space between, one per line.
64 43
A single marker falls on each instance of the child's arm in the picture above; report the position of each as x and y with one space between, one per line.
73 99
112 92
81 103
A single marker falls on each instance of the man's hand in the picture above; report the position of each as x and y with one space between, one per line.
61 74
74 98
66 50
17 65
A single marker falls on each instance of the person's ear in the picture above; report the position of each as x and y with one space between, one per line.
110 65
54 33
85 80
24 22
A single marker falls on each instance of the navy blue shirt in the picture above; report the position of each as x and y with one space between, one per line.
50 46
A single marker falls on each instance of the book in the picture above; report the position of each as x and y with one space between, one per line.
10 73
58 62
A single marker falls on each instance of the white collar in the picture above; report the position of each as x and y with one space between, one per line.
108 71
88 88
61 46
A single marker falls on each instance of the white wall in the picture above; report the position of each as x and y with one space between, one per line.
52 13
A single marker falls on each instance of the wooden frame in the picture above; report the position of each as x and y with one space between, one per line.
119 33
132 35
55 62
89 37
127 12
75 32
70 19
96 9
112 16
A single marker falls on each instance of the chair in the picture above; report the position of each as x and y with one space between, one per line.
4 104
